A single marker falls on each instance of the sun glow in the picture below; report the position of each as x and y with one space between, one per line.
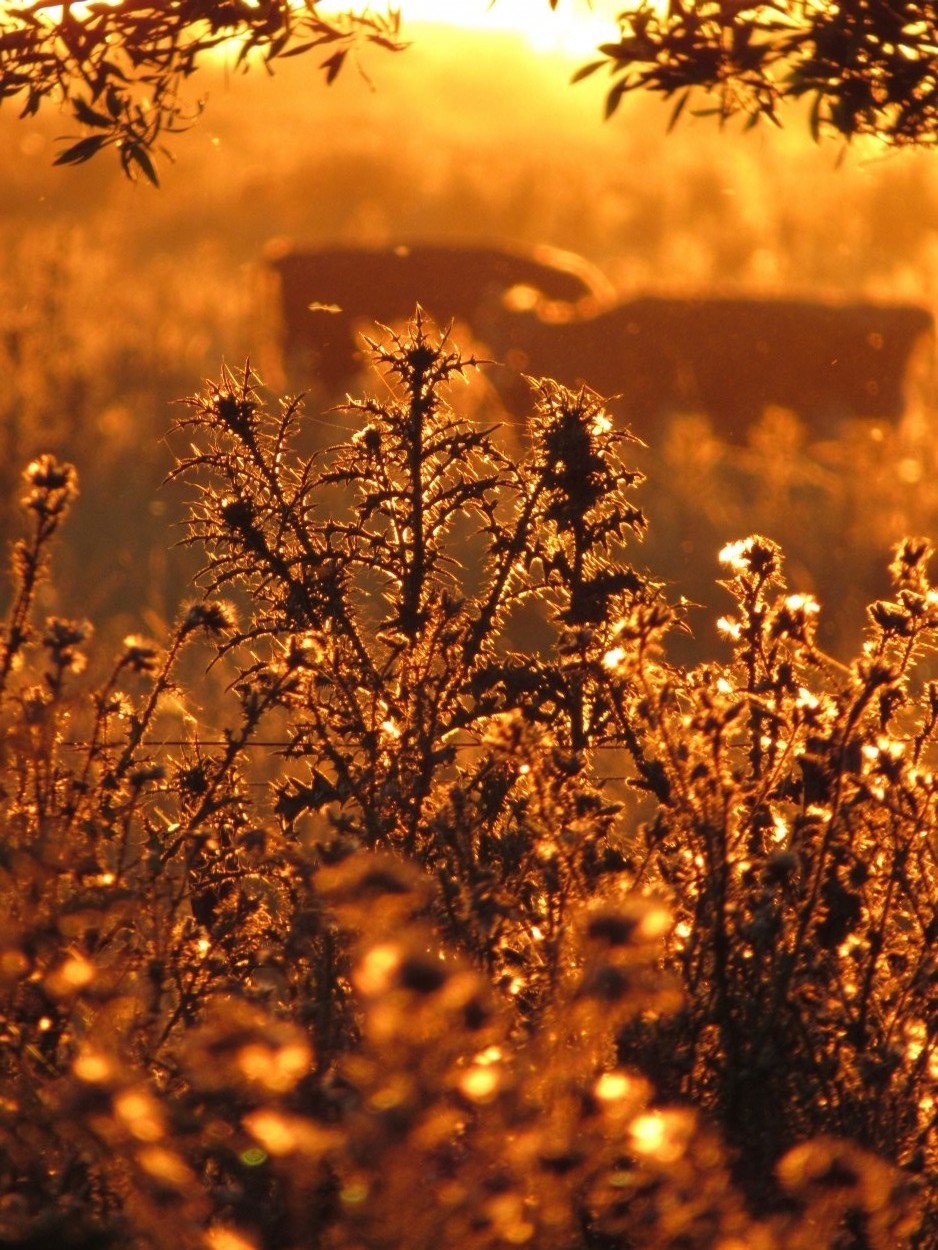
574 28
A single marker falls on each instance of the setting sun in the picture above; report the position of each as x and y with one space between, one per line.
575 27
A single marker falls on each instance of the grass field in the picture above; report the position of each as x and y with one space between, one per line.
345 905
117 300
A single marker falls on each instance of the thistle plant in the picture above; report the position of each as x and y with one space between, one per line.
795 840
478 921
414 723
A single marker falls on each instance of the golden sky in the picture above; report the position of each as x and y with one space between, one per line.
576 26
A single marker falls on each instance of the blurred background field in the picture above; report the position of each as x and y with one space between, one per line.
117 300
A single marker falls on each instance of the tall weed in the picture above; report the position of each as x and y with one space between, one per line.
561 945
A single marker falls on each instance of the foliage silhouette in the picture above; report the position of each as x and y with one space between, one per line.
867 68
428 973
120 68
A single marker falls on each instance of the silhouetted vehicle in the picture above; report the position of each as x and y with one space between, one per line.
324 297
728 359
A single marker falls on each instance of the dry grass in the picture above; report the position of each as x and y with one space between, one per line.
117 300
445 981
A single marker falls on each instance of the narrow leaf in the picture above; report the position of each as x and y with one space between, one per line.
141 158
614 98
81 151
297 50
333 64
585 70
678 109
86 114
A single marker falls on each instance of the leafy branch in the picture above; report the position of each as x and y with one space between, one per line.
119 69
867 68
